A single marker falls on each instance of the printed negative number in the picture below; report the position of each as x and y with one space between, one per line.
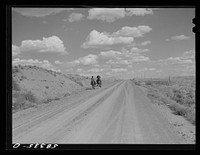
35 146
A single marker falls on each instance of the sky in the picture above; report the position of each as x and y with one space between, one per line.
121 42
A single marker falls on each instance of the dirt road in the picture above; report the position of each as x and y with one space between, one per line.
120 113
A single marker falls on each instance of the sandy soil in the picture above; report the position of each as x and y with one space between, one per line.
117 113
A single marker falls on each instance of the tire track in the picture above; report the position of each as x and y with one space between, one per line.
56 110
78 121
119 114
92 129
37 124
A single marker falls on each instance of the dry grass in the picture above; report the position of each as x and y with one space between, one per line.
178 94
32 85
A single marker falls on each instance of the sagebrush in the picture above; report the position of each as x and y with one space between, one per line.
178 94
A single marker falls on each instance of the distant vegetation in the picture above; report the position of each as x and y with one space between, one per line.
178 93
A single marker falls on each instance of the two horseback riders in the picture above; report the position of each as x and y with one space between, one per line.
97 82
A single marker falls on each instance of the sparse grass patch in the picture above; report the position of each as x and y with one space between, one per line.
23 100
15 85
29 96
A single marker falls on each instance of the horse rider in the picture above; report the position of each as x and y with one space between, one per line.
92 82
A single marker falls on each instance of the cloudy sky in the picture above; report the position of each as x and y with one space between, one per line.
121 42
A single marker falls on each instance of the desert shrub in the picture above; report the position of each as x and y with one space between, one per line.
184 96
148 83
163 82
190 116
137 83
15 69
47 100
178 96
29 96
23 100
187 112
178 109
15 85
180 99
22 96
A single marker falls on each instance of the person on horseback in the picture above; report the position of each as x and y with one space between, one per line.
92 82
98 81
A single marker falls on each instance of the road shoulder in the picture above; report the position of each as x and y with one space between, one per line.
184 128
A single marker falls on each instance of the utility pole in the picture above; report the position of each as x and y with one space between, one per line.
169 80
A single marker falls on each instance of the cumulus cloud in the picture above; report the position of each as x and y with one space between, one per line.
119 69
50 44
58 62
139 58
144 43
75 17
124 36
15 50
106 14
174 61
125 57
73 63
125 62
91 72
188 69
177 60
185 59
112 14
95 70
79 70
188 55
111 62
90 59
180 37
138 11
96 38
133 52
133 31
110 53
44 64
39 12
138 50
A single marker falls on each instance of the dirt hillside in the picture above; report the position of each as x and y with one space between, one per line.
33 85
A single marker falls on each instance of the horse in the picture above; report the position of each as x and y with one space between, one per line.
98 82
93 83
